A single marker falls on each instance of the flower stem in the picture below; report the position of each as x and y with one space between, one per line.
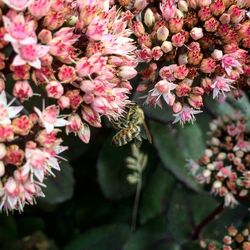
136 201
198 229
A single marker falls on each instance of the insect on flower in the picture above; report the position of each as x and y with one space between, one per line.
131 127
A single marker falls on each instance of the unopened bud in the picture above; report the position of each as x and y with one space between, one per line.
166 46
2 151
177 107
2 170
127 72
196 33
217 54
183 6
162 33
149 18
183 59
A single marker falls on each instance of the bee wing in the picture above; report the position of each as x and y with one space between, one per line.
146 133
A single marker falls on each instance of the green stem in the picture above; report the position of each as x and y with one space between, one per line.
137 200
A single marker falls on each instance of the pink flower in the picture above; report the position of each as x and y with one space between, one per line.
50 118
54 89
39 8
7 112
18 30
186 115
18 5
164 88
221 85
22 90
11 196
167 8
229 61
30 54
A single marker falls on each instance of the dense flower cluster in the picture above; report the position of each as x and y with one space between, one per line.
234 240
225 166
79 52
28 153
192 48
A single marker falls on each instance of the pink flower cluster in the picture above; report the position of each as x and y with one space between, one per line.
28 153
191 48
225 166
79 52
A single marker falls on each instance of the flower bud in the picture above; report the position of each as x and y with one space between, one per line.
175 24
217 184
217 54
196 33
183 6
208 153
127 72
166 46
22 90
138 28
45 36
2 151
183 59
84 133
162 33
2 85
225 18
2 170
206 173
204 3
177 107
54 89
149 18
215 141
195 101
64 102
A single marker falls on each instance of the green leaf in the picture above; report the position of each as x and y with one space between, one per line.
229 106
110 237
187 210
112 171
156 194
153 235
61 187
175 146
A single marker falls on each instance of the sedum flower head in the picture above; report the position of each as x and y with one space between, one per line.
224 167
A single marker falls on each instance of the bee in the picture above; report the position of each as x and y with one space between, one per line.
130 127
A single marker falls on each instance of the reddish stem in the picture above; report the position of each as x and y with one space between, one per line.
198 229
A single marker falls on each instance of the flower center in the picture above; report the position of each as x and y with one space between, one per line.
28 52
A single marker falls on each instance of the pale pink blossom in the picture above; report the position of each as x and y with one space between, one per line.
229 200
186 115
50 118
6 111
18 5
229 62
30 53
18 30
11 196
76 126
168 9
163 88
39 8
221 85
22 90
